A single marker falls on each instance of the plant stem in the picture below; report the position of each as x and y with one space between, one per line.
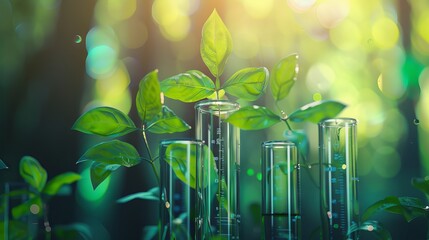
302 155
151 159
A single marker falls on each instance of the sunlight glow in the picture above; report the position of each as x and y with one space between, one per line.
385 33
258 9
173 17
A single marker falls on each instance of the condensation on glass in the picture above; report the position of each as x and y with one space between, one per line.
220 169
281 208
338 177
178 198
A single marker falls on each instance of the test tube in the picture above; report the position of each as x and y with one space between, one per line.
281 208
220 169
338 177
178 208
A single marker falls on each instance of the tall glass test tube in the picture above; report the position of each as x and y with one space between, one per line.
338 178
178 208
281 209
220 174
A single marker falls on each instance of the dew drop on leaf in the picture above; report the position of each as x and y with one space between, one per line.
77 39
167 205
416 121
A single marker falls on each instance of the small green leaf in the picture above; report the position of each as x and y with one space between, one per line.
283 77
112 152
100 171
17 230
55 184
167 122
150 232
247 84
73 232
317 111
216 44
182 159
104 121
299 138
148 100
253 118
191 86
217 95
152 194
32 172
24 208
410 208
371 226
421 184
2 165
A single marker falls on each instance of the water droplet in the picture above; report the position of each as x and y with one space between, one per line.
167 205
344 166
370 228
77 39
416 121
329 214
34 209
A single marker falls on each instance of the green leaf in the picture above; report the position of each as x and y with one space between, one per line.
283 77
100 171
184 167
217 95
148 100
150 232
32 172
152 194
75 231
299 138
216 44
421 184
253 118
167 122
17 230
55 184
371 226
112 152
104 121
317 111
2 165
247 84
408 207
24 208
191 86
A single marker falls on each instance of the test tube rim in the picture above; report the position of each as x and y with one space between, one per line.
203 106
278 144
338 122
181 141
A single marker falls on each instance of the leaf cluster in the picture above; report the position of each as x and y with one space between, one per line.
409 208
108 156
216 46
37 194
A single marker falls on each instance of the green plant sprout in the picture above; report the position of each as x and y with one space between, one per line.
216 45
108 156
3 165
37 195
408 207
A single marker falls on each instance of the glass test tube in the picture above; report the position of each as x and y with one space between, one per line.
338 178
178 209
281 208
220 171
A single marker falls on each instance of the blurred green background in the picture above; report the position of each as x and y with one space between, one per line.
61 58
